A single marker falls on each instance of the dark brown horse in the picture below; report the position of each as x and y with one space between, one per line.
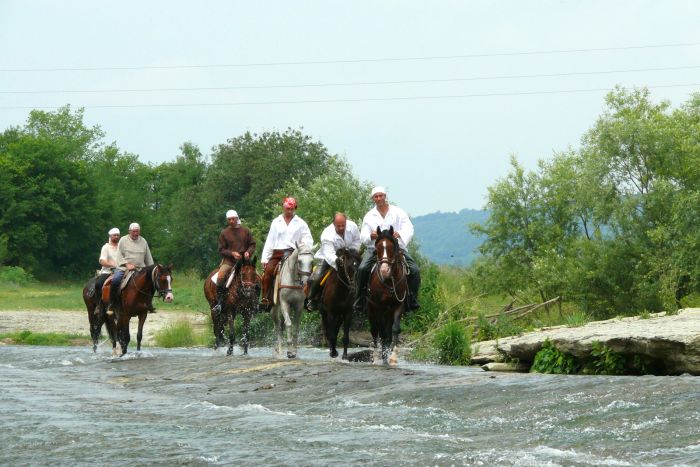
336 300
96 314
137 300
388 290
242 297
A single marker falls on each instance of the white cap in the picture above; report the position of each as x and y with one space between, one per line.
134 226
378 189
231 213
113 231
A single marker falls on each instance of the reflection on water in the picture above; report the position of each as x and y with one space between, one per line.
195 407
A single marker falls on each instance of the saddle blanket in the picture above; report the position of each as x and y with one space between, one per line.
215 278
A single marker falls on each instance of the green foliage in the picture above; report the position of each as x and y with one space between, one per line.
14 275
453 345
43 338
576 319
180 334
551 360
606 362
502 326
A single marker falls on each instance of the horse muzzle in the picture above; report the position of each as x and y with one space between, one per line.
168 297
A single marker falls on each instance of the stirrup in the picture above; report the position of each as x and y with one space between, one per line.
216 308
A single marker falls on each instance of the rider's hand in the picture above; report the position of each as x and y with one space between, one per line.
373 235
246 255
397 235
130 267
236 255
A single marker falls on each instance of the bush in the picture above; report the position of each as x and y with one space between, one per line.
179 334
14 275
551 360
42 338
452 343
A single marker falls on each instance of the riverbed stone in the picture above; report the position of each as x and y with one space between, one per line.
673 340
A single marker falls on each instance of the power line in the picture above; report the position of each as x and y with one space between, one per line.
348 100
359 83
348 61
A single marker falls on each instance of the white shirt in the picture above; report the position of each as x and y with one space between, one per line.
395 217
331 242
108 253
283 236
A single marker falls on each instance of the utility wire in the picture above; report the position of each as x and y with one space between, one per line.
348 100
359 83
363 60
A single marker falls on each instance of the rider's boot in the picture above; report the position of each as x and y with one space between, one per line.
413 286
220 298
311 302
113 298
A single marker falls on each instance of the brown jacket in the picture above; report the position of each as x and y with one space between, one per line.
239 239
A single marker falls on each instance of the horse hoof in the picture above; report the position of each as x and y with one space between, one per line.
334 353
291 355
229 352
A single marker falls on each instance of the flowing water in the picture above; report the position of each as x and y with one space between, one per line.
67 406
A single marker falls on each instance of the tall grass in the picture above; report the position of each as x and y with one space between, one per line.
44 338
181 333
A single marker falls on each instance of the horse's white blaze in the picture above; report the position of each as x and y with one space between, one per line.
385 255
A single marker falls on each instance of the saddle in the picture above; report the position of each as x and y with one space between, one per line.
215 277
106 287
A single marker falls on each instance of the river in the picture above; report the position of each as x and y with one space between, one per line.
68 406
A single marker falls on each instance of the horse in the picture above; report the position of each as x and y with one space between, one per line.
96 314
288 301
137 300
336 300
388 290
242 297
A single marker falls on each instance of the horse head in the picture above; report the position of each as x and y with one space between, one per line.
162 278
347 263
248 277
304 262
387 250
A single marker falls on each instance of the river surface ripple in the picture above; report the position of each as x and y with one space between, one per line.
65 406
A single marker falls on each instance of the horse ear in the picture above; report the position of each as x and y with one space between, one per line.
379 230
170 266
254 260
391 230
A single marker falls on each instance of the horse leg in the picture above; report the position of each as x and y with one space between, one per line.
277 321
246 327
395 331
139 335
231 337
292 330
111 330
93 319
347 319
328 328
123 331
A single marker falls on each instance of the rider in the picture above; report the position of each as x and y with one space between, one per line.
132 254
385 215
235 242
342 233
108 261
287 231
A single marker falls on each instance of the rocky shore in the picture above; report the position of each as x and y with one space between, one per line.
671 341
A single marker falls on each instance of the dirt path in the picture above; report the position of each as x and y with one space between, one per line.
76 322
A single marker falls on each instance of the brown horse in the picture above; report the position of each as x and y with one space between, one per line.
242 297
96 314
336 300
388 290
137 300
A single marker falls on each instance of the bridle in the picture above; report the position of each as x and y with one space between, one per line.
392 263
156 279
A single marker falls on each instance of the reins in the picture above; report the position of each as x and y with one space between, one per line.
391 288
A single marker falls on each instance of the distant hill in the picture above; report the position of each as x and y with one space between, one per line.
444 237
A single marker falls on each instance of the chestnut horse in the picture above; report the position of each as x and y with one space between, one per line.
388 290
242 297
96 314
137 300
336 300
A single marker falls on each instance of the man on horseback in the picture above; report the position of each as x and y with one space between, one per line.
133 253
287 231
385 215
235 242
342 233
108 261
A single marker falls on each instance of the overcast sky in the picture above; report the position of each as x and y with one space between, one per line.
429 99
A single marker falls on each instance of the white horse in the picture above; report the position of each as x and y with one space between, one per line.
288 302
